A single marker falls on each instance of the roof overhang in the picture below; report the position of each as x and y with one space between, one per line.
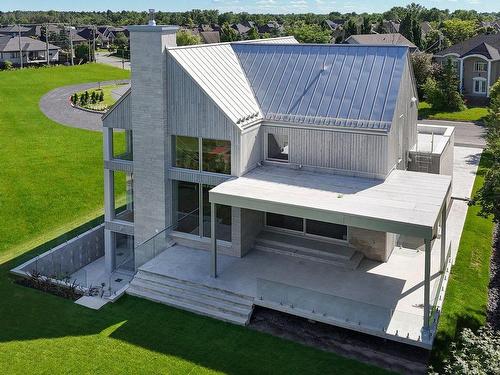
405 202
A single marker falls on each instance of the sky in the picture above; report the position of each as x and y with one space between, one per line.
253 6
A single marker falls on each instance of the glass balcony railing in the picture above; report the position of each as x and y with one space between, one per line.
126 156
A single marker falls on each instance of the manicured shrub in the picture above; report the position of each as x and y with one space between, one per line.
6 65
475 353
101 96
93 97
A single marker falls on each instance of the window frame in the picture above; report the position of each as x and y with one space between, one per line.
482 83
266 145
481 63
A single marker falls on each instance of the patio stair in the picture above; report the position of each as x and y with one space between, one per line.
308 248
200 299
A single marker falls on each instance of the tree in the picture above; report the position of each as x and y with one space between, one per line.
253 34
406 26
82 52
449 85
228 34
366 26
351 28
121 41
305 33
422 69
456 30
489 194
101 96
186 38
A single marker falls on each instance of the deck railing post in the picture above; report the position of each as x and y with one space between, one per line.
443 239
427 284
213 215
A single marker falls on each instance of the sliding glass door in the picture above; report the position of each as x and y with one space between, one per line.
306 227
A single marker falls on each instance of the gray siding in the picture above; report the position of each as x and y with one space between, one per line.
354 153
191 112
403 134
119 116
470 74
251 149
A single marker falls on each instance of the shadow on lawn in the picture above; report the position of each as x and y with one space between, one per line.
29 314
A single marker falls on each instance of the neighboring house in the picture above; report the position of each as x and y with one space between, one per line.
390 27
426 28
209 37
15 29
494 25
477 61
271 173
337 29
395 39
272 28
32 50
242 29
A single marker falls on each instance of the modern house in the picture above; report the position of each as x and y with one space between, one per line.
477 61
395 39
33 51
276 174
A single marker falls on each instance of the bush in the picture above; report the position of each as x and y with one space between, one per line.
442 92
6 65
432 93
101 96
475 353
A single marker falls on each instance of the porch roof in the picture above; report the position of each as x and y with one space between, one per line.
405 202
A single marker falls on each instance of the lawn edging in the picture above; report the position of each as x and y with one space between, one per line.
466 300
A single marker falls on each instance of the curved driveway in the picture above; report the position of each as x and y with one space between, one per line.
56 106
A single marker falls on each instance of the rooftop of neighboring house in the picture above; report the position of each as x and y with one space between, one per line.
11 44
209 37
14 29
378 39
334 24
487 45
353 86
391 26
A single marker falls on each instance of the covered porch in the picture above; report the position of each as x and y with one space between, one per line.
408 204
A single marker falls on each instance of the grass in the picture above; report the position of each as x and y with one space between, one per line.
471 114
51 181
465 304
108 99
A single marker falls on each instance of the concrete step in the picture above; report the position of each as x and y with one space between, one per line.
305 244
179 285
242 298
193 298
349 264
184 305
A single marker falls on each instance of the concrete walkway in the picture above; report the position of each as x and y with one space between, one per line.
105 58
467 134
56 106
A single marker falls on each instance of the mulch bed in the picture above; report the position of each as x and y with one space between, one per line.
493 317
67 292
377 351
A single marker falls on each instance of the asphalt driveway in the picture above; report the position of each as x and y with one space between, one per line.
56 106
467 134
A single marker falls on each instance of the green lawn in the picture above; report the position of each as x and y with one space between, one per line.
467 293
50 181
473 114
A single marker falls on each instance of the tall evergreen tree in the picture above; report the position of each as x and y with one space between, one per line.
366 26
351 28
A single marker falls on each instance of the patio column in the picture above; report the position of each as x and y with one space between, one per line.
443 238
213 260
427 284
488 81
461 75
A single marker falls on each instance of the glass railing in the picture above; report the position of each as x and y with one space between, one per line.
343 311
128 156
155 245
438 288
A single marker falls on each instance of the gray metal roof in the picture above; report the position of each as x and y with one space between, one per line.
334 85
216 69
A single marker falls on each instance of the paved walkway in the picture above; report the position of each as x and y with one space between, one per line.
467 134
105 58
56 106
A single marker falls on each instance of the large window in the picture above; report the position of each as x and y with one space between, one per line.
306 226
216 156
480 66
277 147
194 216
187 152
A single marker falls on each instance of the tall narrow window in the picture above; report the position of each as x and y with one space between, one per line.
186 152
480 66
222 221
188 211
277 147
216 156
